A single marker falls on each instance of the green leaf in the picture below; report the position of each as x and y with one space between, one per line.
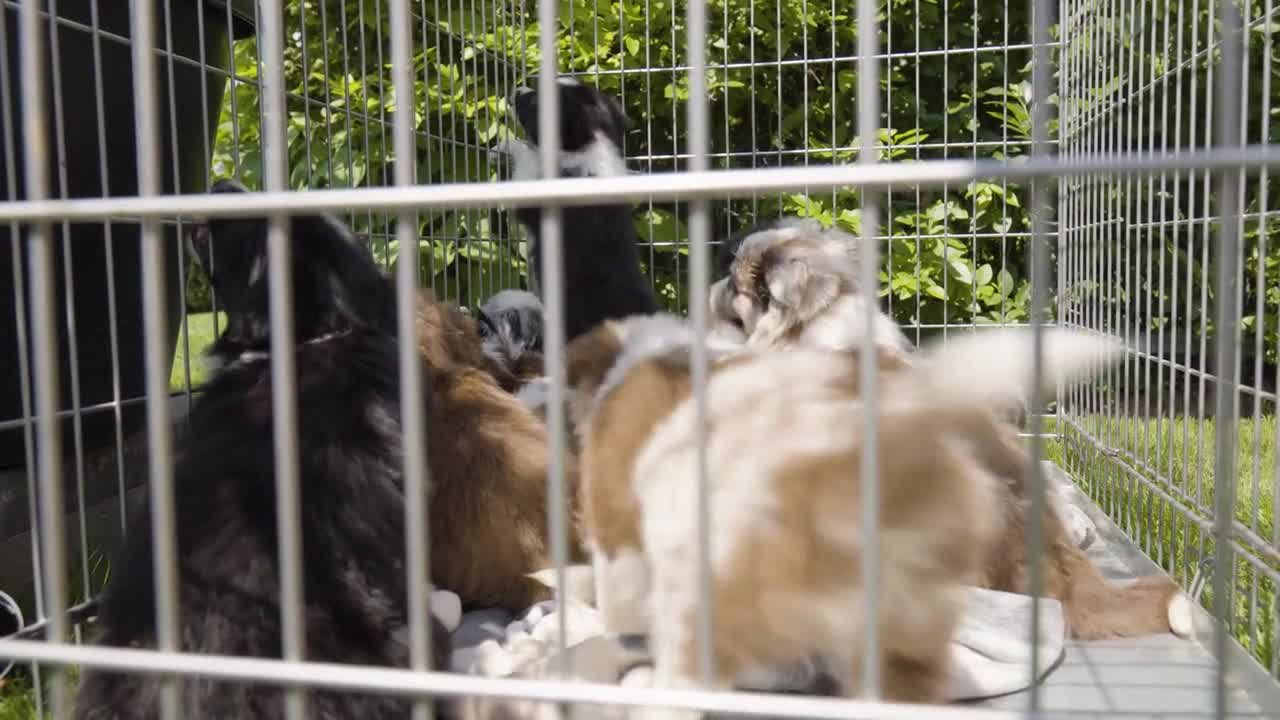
962 272
1006 282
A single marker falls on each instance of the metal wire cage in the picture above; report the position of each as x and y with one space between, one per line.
1099 164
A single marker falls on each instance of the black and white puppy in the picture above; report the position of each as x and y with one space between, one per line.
349 481
602 277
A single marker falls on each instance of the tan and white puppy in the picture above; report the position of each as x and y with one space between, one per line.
795 284
783 448
792 283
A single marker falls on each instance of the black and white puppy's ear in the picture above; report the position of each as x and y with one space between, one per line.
485 325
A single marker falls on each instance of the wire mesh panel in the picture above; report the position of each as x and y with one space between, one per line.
1131 201
208 98
954 83
1141 257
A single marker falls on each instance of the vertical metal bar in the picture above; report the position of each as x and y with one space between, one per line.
946 153
648 130
384 228
110 269
1041 11
68 282
553 301
306 91
751 60
23 346
1256 466
231 90
1229 110
919 197
1004 150
426 125
45 337
328 93
1190 234
1126 305
1146 499
1264 215
1164 431
1169 247
1205 243
176 169
699 229
973 153
284 414
413 423
869 251
158 352
888 123
440 144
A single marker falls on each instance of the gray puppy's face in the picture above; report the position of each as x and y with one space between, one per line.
511 321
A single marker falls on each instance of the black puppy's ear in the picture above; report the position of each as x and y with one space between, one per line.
616 112
228 185
200 239
332 270
199 244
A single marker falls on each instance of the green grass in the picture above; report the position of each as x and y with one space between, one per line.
1174 526
202 333
17 702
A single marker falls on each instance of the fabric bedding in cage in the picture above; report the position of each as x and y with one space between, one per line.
991 650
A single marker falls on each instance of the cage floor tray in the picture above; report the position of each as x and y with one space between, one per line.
1160 676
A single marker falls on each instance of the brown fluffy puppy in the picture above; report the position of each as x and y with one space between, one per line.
783 451
795 284
488 459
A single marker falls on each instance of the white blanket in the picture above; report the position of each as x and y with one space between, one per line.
990 651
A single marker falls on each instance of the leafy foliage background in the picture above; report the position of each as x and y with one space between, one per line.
782 87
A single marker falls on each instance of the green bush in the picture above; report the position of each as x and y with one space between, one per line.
955 255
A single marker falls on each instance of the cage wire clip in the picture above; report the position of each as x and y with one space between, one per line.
81 614
1204 573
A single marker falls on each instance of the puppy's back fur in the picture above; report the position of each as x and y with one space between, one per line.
488 458
351 502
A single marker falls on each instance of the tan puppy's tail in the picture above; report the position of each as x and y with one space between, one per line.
970 369
1097 609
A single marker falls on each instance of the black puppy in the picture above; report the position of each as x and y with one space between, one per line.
350 483
602 277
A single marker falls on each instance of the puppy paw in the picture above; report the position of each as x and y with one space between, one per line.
661 713
1079 527
447 607
579 582
1181 618
507 147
